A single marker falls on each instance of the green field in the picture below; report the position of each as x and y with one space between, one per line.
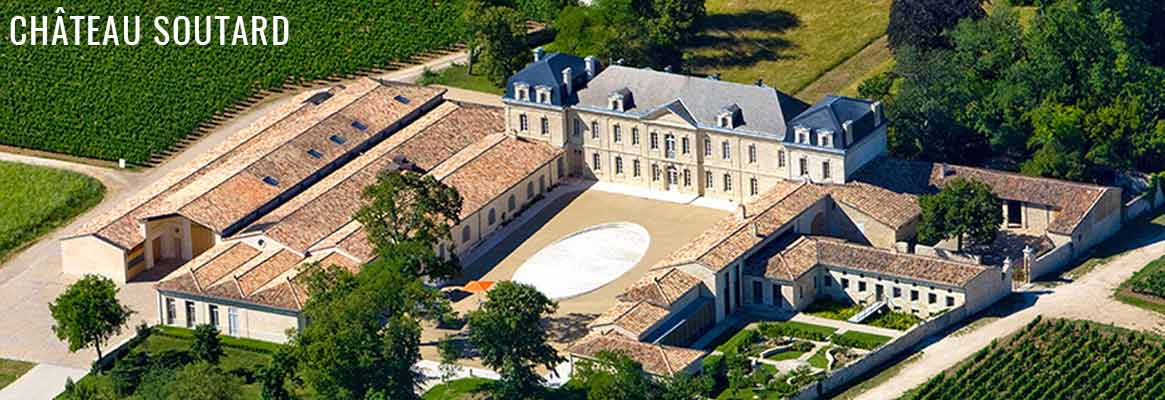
457 77
36 200
1058 359
111 102
10 370
787 43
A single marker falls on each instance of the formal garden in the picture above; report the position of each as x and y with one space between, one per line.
886 318
36 200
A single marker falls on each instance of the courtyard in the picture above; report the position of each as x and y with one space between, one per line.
570 216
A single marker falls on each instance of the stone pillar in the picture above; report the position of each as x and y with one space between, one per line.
1029 258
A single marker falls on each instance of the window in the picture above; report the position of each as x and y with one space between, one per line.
512 203
523 123
337 139
672 176
828 281
844 283
758 293
544 97
595 162
594 129
707 147
315 154
542 184
804 166
560 168
493 216
950 301
529 190
861 286
170 311
752 153
618 165
270 181
897 292
825 169
359 126
826 140
687 177
212 313
465 234
669 146
545 126
708 180
931 298
617 131
727 183
635 168
753 187
726 149
654 140
190 317
578 127
776 293
1014 213
232 321
685 147
634 136
654 172
914 295
781 158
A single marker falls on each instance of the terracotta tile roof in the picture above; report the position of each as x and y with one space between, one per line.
795 260
223 204
1073 200
807 252
120 224
220 266
656 359
253 279
633 317
495 171
893 209
661 287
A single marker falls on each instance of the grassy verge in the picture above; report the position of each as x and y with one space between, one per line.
787 43
457 76
36 200
851 89
873 57
10 370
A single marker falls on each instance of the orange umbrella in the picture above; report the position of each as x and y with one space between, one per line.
478 286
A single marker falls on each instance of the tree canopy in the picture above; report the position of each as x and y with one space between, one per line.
640 32
406 215
963 207
921 23
497 34
206 346
508 333
88 313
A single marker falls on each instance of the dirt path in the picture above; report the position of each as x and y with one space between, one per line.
845 73
1089 298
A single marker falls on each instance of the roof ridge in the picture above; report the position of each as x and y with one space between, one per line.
751 220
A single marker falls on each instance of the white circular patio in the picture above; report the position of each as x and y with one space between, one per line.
585 260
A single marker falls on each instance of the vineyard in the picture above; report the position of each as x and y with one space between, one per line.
114 102
36 200
1059 359
1151 279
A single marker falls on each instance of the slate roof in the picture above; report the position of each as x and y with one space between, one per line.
764 110
548 72
830 113
1071 200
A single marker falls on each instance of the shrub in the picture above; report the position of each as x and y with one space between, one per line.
861 340
797 330
127 373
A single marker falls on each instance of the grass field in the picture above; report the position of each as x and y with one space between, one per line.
1058 359
787 43
111 102
457 77
36 200
10 370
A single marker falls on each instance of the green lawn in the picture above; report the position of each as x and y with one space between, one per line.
36 200
788 43
860 340
456 76
457 389
785 355
10 370
818 359
832 310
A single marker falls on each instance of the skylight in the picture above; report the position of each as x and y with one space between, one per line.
359 125
337 139
315 153
401 99
270 181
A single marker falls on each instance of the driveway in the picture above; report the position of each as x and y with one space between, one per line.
1089 298
33 278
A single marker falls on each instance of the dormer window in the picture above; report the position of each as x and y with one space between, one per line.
825 139
543 94
729 117
619 100
802 134
521 91
615 103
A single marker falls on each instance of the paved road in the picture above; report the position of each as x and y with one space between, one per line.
42 382
1089 298
33 278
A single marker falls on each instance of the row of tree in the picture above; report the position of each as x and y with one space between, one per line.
1073 93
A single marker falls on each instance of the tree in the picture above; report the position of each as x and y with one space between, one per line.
273 376
88 313
500 37
203 381
641 32
507 330
450 351
921 23
207 346
406 215
614 376
963 207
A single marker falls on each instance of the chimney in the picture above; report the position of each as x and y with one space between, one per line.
566 79
592 64
756 231
848 127
741 212
876 108
538 53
